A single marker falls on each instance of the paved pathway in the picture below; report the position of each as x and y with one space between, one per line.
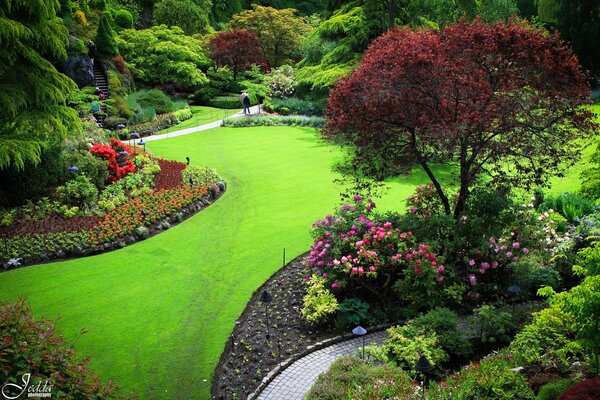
253 110
297 379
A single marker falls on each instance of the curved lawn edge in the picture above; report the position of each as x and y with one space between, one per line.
156 228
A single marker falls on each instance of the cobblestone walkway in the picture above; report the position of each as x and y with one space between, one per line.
296 380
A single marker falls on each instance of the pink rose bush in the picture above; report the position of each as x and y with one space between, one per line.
355 252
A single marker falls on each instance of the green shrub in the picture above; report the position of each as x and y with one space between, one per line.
200 176
113 122
445 324
319 304
551 391
183 114
352 312
76 47
157 99
548 339
95 168
491 325
204 95
294 106
570 205
351 378
32 345
226 102
106 45
492 378
406 344
80 192
124 19
24 246
315 122
147 128
531 273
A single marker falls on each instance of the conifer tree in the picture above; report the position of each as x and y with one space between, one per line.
32 92
106 45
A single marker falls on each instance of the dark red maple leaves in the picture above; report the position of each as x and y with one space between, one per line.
502 100
237 49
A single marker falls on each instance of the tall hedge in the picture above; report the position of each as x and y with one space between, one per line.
106 46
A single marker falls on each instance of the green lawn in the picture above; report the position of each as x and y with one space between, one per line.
159 312
202 115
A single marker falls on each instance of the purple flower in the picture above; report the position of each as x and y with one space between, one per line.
356 197
516 245
471 263
472 279
525 250
509 254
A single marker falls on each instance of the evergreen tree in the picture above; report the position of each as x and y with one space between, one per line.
106 45
32 92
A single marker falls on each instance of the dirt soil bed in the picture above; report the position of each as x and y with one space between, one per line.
249 355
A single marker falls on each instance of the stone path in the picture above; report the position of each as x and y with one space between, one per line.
253 110
297 379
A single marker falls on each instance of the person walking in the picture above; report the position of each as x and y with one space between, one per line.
246 102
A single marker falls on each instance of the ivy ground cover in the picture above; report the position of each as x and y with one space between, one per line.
160 312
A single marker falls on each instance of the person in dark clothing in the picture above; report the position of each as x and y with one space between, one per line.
91 50
246 102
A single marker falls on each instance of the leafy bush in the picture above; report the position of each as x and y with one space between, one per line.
492 325
80 192
204 95
587 389
353 312
76 47
491 378
226 102
315 122
183 114
113 122
570 205
551 391
444 323
96 169
200 176
294 106
32 345
124 19
148 128
548 339
281 82
351 378
531 273
319 303
32 245
406 344
157 99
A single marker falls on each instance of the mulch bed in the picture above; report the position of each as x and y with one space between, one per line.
248 355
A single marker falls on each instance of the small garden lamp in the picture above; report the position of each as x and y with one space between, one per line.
123 153
423 366
191 181
265 297
142 143
515 292
72 168
133 135
188 160
360 331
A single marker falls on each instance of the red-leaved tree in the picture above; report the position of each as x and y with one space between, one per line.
502 102
237 49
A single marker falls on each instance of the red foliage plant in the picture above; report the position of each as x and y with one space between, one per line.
31 345
169 176
118 164
502 100
237 49
588 389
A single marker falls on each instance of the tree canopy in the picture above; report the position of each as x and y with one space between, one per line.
32 92
237 49
279 31
190 16
501 101
106 45
164 55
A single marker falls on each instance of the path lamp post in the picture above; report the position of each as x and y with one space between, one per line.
360 331
266 298
142 143
423 366
120 127
514 291
133 135
73 168
187 159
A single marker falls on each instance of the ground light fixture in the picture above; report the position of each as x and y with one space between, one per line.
188 160
72 168
123 153
360 331
266 298
423 366
142 143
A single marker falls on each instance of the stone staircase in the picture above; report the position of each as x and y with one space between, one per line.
101 81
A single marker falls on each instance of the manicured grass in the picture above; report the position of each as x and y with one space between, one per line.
202 115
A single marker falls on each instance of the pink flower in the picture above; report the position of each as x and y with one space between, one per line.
495 264
440 269
472 280
516 245
417 271
440 279
325 275
417 261
356 198
335 285
525 250
433 263
509 254
471 263
354 269
372 268
336 262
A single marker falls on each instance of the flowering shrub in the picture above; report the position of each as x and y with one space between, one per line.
425 202
32 346
587 389
118 164
352 251
170 176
